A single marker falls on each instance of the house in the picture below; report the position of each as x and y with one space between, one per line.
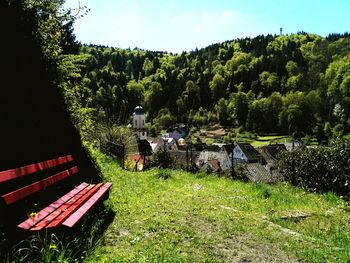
246 153
219 152
212 165
176 134
219 144
227 149
212 148
170 144
258 173
225 161
155 147
205 156
270 154
290 145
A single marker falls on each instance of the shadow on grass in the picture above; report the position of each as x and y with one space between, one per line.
57 245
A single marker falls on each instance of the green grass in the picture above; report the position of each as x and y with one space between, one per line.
183 217
259 141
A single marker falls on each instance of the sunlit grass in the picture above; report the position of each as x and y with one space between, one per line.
183 217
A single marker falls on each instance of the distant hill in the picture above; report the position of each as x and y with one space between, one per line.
264 84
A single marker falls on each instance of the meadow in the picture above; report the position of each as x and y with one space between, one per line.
175 216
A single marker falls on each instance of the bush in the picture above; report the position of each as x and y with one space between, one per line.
163 174
241 173
319 169
111 132
338 130
163 159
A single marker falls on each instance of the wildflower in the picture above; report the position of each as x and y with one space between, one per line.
53 246
33 214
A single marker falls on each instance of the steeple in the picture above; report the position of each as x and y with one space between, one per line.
139 122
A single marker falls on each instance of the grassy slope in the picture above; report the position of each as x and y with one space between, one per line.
191 219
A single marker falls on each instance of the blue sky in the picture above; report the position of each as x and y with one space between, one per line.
177 25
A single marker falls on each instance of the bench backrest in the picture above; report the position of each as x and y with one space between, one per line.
32 179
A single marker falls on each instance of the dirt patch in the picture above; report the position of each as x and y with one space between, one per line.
247 248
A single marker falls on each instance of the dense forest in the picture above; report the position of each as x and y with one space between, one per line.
298 82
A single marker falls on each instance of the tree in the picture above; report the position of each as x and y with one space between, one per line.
135 94
221 110
154 98
190 95
269 82
148 67
241 106
217 86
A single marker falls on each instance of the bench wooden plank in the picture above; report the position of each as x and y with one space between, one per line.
37 186
49 219
30 222
68 209
58 220
77 215
33 168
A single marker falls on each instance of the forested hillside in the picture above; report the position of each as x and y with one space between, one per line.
263 84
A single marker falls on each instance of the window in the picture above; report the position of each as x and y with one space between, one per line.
135 122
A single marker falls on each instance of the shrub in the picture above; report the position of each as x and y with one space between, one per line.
163 159
163 174
117 134
338 130
319 169
241 173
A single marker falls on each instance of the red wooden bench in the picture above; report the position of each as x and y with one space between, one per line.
33 179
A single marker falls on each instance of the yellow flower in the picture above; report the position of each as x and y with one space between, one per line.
52 246
33 214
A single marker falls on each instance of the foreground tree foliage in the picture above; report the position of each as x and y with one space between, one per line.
319 169
36 124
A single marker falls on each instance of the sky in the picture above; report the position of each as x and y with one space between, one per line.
184 25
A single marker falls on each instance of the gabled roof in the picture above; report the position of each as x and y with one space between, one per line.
220 144
249 151
273 150
228 148
212 148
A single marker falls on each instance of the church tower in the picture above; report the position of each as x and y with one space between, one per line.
139 123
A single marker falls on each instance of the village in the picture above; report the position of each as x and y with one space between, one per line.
257 163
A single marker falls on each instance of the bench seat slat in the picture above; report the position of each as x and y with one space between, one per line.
77 215
33 168
37 186
30 222
43 224
58 220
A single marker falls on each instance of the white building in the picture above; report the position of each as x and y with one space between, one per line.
139 123
246 153
206 156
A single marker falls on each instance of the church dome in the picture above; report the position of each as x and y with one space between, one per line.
139 111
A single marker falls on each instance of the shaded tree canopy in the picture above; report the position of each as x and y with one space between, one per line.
35 122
